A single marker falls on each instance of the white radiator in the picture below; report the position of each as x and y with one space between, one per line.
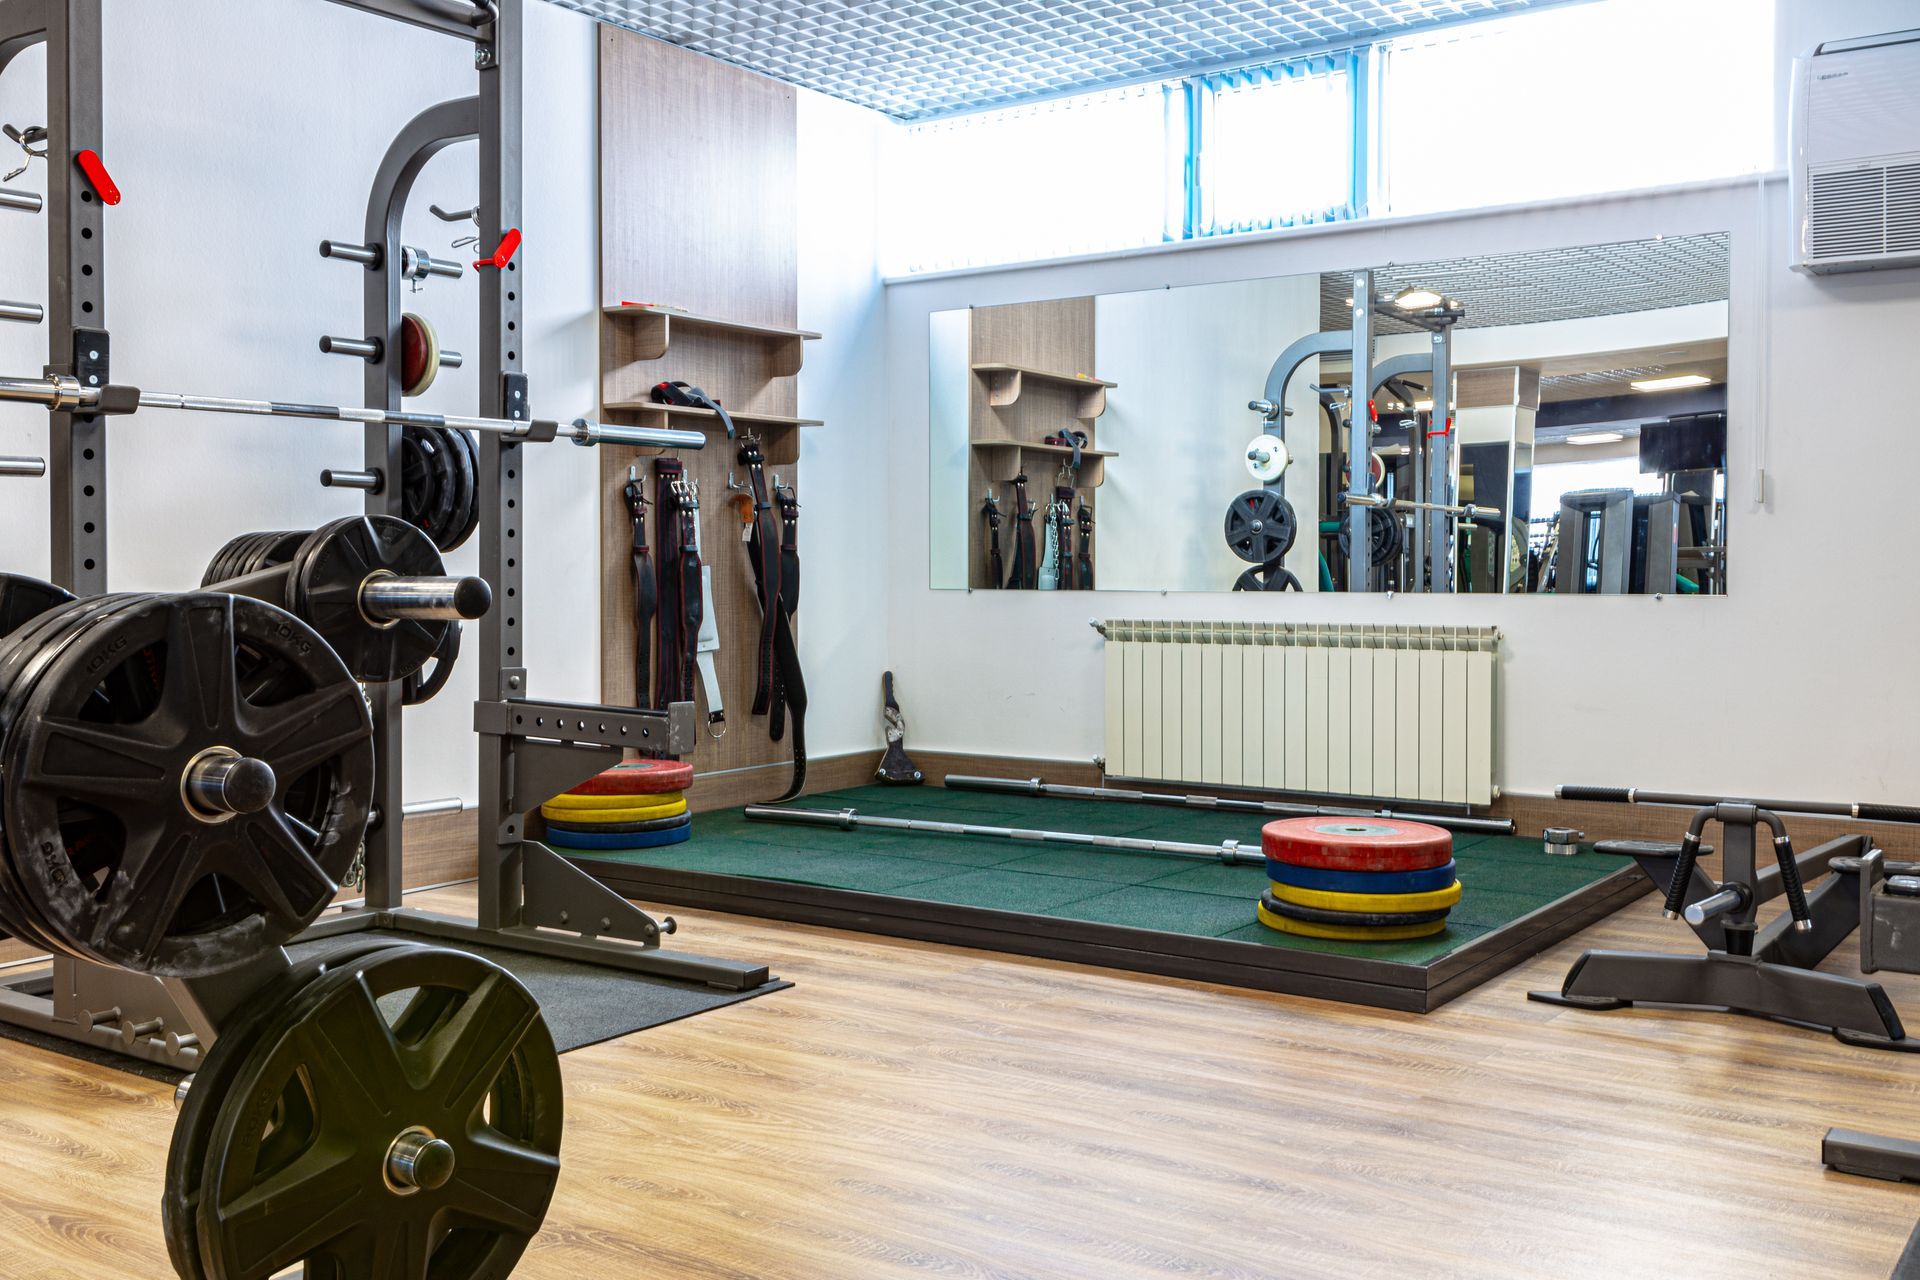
1401 713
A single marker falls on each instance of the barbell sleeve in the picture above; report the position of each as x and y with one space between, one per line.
24 312
26 201
29 467
368 349
389 598
370 481
364 254
1729 898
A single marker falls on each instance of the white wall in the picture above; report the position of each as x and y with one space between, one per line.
1800 682
1187 361
846 513
241 140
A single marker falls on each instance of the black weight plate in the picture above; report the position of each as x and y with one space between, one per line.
421 685
186 1154
217 566
1383 534
468 442
438 517
1360 919
465 480
1260 526
1275 579
321 1099
620 828
22 599
164 891
416 475
272 549
36 646
328 575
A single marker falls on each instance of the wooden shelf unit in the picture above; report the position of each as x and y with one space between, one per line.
652 328
1005 459
1005 382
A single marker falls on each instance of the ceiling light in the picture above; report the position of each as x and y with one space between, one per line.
1416 298
1596 437
1673 383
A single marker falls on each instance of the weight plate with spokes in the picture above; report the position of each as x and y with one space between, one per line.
1267 577
186 783
1383 535
328 574
187 1153
466 440
465 467
424 683
1260 526
401 1120
22 599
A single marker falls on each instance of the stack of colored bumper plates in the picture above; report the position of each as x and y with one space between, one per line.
638 805
1357 879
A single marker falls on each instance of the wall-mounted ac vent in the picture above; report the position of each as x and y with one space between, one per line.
1856 155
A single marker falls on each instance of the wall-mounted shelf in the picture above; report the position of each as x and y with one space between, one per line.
1005 459
653 326
1005 382
780 430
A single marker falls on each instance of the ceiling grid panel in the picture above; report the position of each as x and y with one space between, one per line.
916 60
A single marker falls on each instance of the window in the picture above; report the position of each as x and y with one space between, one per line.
1068 176
1273 146
1570 101
1577 99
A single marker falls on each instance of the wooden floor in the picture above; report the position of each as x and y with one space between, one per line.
913 1110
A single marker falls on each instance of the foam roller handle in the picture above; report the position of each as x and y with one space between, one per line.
1887 813
1602 795
1683 865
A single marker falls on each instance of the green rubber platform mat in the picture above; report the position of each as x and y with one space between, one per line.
1504 878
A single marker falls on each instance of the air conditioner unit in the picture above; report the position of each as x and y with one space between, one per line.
1856 155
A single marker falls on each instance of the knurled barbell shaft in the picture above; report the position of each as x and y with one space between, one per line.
60 391
848 819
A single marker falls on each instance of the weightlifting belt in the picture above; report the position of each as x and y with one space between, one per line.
1050 548
996 567
706 644
1063 497
763 550
646 598
789 687
1026 567
678 533
687 396
1083 577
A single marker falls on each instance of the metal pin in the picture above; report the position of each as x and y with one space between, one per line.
25 312
29 201
23 466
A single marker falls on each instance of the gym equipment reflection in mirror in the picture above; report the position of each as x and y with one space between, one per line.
1579 447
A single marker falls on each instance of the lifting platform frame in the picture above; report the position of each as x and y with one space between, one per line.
530 899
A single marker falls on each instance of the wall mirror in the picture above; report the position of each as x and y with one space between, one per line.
1202 438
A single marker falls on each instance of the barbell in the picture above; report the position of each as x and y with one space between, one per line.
59 392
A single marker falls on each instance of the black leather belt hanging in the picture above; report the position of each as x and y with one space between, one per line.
646 591
996 565
763 549
1063 497
790 688
1026 563
1083 572
678 503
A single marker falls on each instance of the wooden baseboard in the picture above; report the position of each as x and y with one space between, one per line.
761 783
440 847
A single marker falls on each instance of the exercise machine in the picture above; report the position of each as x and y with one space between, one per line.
1765 970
